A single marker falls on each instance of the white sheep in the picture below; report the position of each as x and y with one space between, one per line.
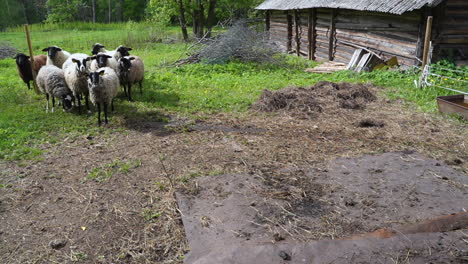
118 53
102 60
131 71
103 86
56 56
51 82
76 75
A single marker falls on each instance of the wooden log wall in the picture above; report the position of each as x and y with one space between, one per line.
335 34
451 31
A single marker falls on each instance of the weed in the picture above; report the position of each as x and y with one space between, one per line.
149 215
104 173
78 256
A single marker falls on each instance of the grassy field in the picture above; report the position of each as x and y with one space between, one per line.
192 89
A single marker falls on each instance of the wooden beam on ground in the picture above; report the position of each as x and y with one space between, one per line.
311 33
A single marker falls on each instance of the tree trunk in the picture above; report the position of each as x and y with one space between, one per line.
109 10
121 10
94 10
211 17
25 13
201 19
182 20
8 8
195 18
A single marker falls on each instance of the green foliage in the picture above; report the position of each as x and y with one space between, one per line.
104 173
26 130
61 11
149 215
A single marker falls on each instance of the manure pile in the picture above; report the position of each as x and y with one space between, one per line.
322 97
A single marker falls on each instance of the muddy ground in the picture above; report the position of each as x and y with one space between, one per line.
110 198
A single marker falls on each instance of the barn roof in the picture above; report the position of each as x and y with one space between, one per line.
388 6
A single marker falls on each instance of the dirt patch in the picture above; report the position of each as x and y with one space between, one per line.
311 101
6 51
350 197
367 123
129 212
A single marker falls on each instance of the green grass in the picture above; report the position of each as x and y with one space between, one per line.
104 173
25 128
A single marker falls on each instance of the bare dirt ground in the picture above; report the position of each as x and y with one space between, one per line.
110 198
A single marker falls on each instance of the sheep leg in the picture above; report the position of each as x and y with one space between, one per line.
87 102
79 104
99 113
105 114
141 92
53 104
130 93
112 105
29 85
125 90
47 105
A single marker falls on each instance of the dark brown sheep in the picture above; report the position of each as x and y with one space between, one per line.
23 64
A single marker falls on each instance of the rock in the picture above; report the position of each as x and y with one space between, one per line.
284 255
57 243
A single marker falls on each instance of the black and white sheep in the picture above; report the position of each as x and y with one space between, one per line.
103 86
131 71
56 56
102 60
51 82
118 53
23 63
76 70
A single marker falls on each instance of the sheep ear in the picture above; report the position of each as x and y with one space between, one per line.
59 49
75 60
46 49
15 57
92 58
102 72
27 57
107 56
129 49
131 58
88 58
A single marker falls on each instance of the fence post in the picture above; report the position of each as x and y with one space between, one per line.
31 55
427 41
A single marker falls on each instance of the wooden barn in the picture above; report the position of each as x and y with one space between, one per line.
331 30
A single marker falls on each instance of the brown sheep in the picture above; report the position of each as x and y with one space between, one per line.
23 64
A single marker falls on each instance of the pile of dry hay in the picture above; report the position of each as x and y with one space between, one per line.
322 97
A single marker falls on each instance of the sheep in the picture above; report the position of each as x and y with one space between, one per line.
102 60
103 86
76 76
118 53
51 82
56 56
131 70
23 63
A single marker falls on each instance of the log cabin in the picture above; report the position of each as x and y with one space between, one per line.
331 30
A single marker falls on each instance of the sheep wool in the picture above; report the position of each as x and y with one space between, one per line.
104 90
103 60
131 71
56 56
76 70
51 82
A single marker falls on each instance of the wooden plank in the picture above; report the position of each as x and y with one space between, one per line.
290 29
297 37
331 42
312 34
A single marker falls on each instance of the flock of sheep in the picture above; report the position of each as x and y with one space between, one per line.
70 77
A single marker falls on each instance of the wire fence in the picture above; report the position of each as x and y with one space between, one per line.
455 80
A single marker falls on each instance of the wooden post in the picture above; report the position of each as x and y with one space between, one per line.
427 41
331 40
267 21
31 55
311 33
290 33
297 23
